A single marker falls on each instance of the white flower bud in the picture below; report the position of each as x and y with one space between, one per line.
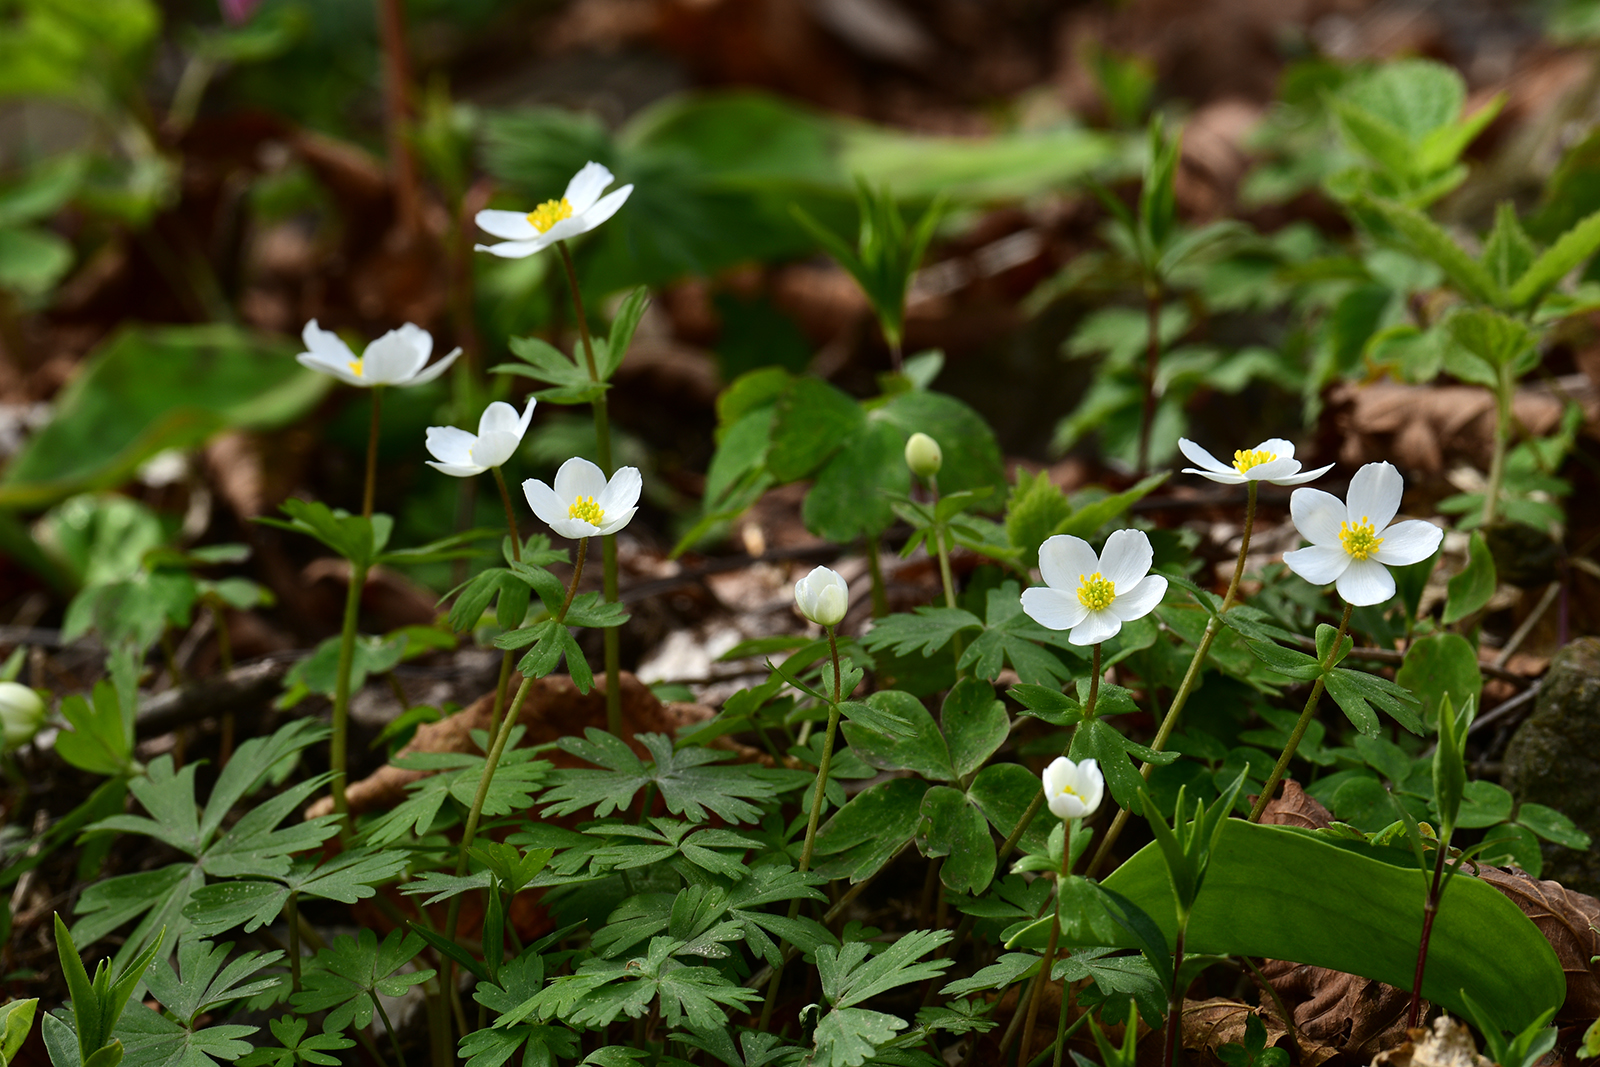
1073 790
822 597
923 455
21 714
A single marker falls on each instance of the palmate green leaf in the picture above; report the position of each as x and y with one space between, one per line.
848 977
812 420
687 779
866 833
150 1039
1011 636
357 539
603 989
958 831
296 1048
201 980
348 877
345 977
928 630
1115 754
848 1037
1437 665
920 747
517 777
854 491
1355 691
1286 894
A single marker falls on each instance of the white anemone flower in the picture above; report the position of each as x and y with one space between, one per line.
1354 541
1270 461
579 210
399 357
822 596
1073 790
1094 595
583 503
462 455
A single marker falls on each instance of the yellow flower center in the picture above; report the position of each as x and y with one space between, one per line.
1096 593
355 368
1360 540
1068 791
549 213
1243 460
586 509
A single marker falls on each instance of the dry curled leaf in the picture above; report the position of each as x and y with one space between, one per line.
1568 920
1208 1024
1293 807
1358 1016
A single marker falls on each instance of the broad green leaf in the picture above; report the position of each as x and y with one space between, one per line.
848 1037
1439 664
1288 894
1508 252
926 630
971 451
1089 518
1473 588
920 748
149 389
1552 825
957 831
859 838
1003 792
811 422
853 492
975 724
1498 340
344 977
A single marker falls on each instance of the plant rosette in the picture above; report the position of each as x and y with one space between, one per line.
1270 461
580 209
1093 595
399 357
583 503
462 455
1355 541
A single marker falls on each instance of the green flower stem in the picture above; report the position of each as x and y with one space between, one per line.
1062 1029
291 910
608 545
338 744
394 1035
1430 909
880 595
1050 947
943 550
823 767
498 747
1152 366
502 687
1503 397
1300 726
1169 1049
372 453
1191 678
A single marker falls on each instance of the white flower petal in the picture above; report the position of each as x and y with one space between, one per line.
1221 477
1126 558
608 206
494 448
579 477
428 374
1139 600
1317 515
1282 467
1365 582
1408 542
339 371
326 346
1064 560
447 444
510 225
1319 564
1278 447
622 491
499 417
1303 477
392 359
574 528
1375 494
586 186
547 505
1205 459
417 338
513 249
1054 609
1091 784
456 470
1097 626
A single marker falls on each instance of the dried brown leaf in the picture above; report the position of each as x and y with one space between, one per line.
1293 807
1568 921
1357 1016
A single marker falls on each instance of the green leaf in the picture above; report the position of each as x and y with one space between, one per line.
920 748
1354 690
1508 252
1496 339
16 1022
688 782
296 1048
854 490
812 420
150 389
1561 258
345 977
957 831
1552 826
1003 792
848 1037
1034 510
975 724
201 981
1424 237
971 451
928 630
866 833
1285 894
1437 665
1089 518
1469 591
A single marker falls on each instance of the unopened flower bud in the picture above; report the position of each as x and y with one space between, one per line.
21 714
822 597
923 455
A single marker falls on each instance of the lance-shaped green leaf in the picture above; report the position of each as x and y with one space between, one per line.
1424 237
1557 261
1449 761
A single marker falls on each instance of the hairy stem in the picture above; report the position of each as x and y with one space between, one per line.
1300 725
372 453
1503 395
610 638
338 744
1430 908
1191 679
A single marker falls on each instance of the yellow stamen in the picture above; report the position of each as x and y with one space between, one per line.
1243 460
549 213
1068 791
586 509
1096 593
1360 540
355 368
